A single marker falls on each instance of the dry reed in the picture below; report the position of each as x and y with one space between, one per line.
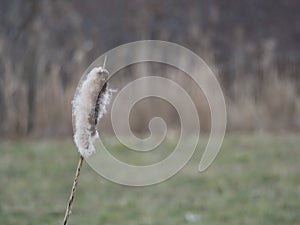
89 106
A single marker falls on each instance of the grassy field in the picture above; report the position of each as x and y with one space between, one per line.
254 180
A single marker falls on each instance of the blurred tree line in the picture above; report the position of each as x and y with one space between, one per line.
46 45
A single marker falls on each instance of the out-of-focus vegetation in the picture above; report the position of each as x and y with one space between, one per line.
254 180
46 45
252 46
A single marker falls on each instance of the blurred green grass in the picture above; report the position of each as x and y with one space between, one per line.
254 180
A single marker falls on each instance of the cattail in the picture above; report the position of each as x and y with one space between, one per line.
89 106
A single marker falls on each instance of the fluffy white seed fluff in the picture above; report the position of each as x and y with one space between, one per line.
104 102
84 106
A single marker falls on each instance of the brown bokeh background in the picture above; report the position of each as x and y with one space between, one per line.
252 46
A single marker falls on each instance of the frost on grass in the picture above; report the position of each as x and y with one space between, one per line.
89 106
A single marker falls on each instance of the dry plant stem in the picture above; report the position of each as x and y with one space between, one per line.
69 207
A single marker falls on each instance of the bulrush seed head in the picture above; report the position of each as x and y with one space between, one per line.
89 106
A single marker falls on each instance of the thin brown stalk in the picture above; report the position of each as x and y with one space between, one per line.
69 206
